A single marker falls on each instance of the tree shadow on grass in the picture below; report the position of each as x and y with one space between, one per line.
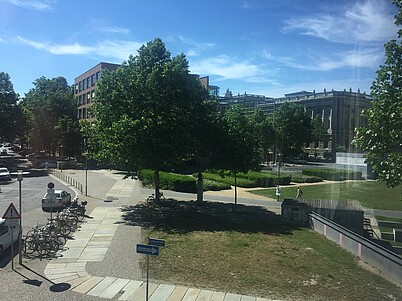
175 216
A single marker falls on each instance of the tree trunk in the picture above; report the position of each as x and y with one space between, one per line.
235 186
157 184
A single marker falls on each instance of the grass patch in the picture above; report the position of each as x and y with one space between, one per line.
370 194
250 251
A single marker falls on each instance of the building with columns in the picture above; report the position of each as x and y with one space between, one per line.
340 112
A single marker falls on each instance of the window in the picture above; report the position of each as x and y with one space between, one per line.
84 84
92 80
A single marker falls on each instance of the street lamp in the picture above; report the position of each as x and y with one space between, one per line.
86 167
20 177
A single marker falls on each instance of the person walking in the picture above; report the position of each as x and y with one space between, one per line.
299 193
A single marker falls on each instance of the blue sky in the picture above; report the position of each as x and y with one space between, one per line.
268 47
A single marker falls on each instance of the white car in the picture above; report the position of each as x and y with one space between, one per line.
57 202
4 174
6 240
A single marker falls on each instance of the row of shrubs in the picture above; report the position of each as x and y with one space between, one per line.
333 174
214 180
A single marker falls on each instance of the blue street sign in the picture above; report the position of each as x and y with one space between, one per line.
156 242
149 250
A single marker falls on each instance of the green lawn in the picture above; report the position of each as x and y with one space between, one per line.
370 194
251 252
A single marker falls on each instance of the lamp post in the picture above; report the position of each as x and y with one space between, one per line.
86 167
20 177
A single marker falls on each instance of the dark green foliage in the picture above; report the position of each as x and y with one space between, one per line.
248 180
169 181
382 137
212 185
298 178
333 174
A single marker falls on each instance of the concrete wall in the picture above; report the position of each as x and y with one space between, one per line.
379 257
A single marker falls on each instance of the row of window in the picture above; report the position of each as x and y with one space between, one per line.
84 113
85 98
87 82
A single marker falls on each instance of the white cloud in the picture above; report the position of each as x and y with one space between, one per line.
226 68
114 29
44 5
116 50
359 58
199 45
363 22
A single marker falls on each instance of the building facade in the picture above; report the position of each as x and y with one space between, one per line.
84 88
340 112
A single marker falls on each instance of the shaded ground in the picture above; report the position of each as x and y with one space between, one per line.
174 216
250 251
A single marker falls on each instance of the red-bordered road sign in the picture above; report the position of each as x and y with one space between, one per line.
11 213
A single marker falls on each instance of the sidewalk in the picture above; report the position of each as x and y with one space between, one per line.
89 251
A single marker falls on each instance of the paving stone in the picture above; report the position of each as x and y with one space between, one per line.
218 296
205 295
232 297
247 298
78 281
87 285
178 293
129 289
101 286
114 288
139 294
191 294
162 293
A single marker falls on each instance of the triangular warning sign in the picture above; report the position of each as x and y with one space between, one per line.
11 213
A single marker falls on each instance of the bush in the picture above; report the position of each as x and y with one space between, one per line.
333 174
305 179
215 185
169 181
250 179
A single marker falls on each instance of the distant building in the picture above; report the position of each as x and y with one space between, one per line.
84 88
249 102
340 112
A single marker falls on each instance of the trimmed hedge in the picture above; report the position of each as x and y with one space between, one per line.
214 185
305 179
333 174
250 179
169 181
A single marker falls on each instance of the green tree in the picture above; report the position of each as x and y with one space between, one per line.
382 137
52 112
240 143
293 129
9 110
151 112
264 126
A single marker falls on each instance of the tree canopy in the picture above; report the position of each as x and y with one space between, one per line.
10 114
52 113
382 137
292 127
151 112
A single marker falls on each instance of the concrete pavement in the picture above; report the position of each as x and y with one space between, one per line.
92 241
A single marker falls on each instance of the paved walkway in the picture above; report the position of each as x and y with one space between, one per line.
90 244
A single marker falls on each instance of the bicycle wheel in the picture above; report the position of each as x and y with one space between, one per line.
65 230
43 247
28 246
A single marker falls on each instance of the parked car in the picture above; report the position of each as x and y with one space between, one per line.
6 240
3 151
4 174
61 199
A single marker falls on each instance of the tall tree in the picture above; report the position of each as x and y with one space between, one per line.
9 109
382 137
151 112
240 143
52 112
292 127
264 126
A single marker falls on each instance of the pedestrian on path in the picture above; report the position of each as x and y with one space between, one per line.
299 193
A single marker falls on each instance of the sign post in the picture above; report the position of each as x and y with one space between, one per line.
50 194
12 218
151 249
